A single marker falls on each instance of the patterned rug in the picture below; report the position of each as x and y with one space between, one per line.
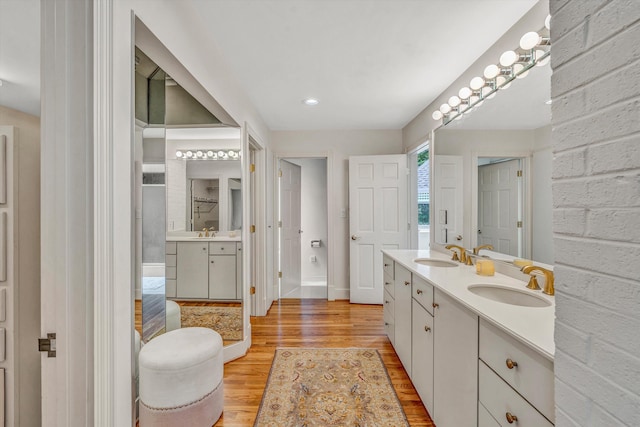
227 321
329 387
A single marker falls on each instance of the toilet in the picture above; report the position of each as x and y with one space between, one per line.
181 379
172 316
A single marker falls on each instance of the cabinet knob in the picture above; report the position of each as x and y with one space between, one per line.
511 364
386 302
386 323
386 265
387 283
427 329
511 418
435 305
419 291
407 283
211 261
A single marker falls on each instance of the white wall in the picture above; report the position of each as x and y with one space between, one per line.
313 218
339 145
596 217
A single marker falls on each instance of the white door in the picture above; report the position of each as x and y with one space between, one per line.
377 220
448 199
498 206
290 218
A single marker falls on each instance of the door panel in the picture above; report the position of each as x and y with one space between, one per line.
290 215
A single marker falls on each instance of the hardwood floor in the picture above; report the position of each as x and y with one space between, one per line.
311 323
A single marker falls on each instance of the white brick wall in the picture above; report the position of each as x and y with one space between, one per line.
596 191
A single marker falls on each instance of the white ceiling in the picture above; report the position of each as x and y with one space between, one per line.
373 64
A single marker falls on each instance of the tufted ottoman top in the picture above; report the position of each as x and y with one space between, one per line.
180 367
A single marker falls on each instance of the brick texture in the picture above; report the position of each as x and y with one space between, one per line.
596 219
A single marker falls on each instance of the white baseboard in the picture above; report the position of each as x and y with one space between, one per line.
341 293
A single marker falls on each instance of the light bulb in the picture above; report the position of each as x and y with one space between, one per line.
500 82
209 153
538 54
220 153
454 101
199 153
508 58
464 93
547 22
491 71
179 154
476 83
437 115
530 40
189 154
445 108
517 68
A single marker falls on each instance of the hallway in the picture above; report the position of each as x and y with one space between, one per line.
311 323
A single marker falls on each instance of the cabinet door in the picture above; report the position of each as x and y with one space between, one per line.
422 354
402 314
192 275
455 373
222 277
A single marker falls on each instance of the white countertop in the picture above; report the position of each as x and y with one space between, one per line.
531 325
184 237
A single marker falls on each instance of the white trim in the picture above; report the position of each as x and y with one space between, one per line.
333 293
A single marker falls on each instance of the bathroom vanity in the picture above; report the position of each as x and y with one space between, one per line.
204 268
478 349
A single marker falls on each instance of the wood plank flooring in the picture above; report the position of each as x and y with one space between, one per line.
311 323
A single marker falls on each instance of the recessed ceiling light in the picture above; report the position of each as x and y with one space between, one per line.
310 101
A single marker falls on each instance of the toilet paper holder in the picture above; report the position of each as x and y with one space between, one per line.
315 243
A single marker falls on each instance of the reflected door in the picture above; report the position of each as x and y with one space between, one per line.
378 219
448 194
290 217
498 206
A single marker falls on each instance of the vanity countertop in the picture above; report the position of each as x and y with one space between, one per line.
184 238
531 325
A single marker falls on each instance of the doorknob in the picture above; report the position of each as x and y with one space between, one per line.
299 231
479 231
458 237
354 237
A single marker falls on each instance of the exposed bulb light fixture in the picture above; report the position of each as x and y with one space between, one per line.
445 108
208 154
310 101
476 83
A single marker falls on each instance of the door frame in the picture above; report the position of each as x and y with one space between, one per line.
412 199
328 156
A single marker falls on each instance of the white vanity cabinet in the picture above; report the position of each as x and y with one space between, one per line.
455 360
389 301
402 295
514 379
422 353
192 279
222 270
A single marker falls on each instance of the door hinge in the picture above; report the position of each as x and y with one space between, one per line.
253 228
48 344
519 173
279 224
252 290
519 224
280 173
280 274
252 167
408 226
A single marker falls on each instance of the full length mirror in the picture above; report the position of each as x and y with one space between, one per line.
492 173
189 211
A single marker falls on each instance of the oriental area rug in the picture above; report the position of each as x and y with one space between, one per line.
329 387
227 321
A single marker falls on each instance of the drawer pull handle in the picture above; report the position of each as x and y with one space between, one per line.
419 292
435 305
427 329
511 364
511 418
406 283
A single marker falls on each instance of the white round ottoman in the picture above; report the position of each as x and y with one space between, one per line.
181 379
172 316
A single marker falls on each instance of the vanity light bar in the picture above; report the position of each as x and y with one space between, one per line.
208 154
512 65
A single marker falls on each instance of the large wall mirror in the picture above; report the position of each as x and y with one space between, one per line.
188 202
492 173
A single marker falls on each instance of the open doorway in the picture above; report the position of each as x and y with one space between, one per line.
303 225
420 200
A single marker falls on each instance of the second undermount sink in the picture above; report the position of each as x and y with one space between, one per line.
509 295
432 262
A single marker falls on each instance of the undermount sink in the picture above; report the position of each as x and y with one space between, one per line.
432 262
509 295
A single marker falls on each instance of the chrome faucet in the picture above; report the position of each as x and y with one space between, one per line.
533 281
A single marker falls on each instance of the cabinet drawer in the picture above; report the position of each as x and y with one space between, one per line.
500 399
170 272
390 328
485 419
389 305
533 375
423 293
170 288
170 260
222 248
170 248
387 281
387 266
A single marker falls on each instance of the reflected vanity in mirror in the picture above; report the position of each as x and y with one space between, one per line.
189 211
492 174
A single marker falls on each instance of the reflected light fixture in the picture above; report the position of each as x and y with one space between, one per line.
310 101
207 154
